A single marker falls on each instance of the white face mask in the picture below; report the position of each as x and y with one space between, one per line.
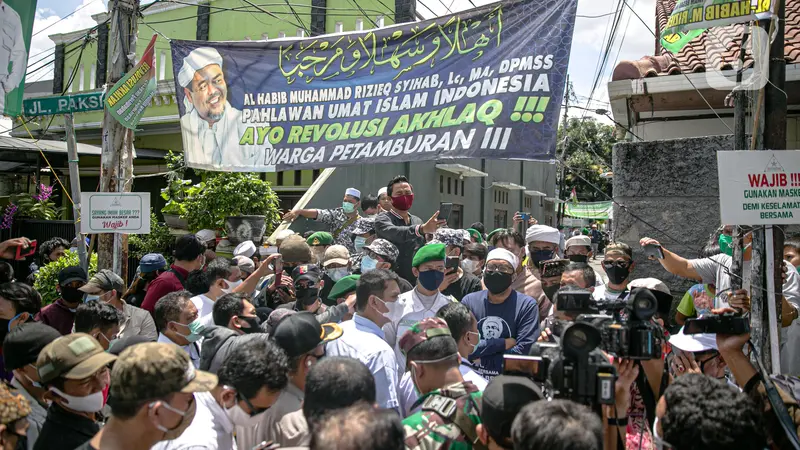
389 306
231 286
90 403
469 265
239 417
337 273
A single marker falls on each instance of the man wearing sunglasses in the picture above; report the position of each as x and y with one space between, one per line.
618 265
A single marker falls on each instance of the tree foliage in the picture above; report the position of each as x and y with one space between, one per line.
588 154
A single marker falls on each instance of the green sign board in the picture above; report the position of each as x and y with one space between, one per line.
64 104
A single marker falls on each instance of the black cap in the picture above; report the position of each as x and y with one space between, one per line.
70 274
23 344
298 334
311 270
503 398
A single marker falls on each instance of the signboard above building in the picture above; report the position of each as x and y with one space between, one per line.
759 187
62 104
115 212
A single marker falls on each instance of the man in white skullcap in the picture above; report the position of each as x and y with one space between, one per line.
578 249
508 320
211 127
340 221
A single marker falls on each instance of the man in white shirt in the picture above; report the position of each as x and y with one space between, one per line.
362 336
211 127
464 329
421 302
12 52
218 275
249 384
176 319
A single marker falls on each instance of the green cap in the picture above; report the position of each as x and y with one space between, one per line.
430 252
476 234
74 356
154 370
320 238
489 236
344 286
422 331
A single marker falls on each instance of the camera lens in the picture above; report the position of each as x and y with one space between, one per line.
580 339
643 304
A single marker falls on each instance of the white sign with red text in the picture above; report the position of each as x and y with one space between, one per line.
115 212
759 187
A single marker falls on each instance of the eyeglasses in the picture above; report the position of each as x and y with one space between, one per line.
253 410
502 269
622 264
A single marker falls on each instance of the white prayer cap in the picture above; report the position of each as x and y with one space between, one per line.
542 233
382 191
504 255
206 235
196 60
578 241
246 248
353 192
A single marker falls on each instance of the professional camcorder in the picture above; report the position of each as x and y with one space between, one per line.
628 331
728 323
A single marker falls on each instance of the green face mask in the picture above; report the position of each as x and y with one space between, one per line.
725 244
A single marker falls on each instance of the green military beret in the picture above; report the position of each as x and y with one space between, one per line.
489 237
476 234
320 238
344 286
430 252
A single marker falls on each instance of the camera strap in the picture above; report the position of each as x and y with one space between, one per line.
648 397
775 401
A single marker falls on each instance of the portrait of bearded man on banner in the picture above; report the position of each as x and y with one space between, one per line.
211 127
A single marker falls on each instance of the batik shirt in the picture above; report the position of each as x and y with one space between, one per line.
336 219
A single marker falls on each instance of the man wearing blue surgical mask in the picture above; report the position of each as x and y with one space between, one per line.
340 222
176 319
423 301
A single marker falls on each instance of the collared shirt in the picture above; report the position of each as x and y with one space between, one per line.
12 52
136 322
410 308
406 236
37 416
290 400
58 315
217 145
430 431
364 340
293 431
211 429
63 429
337 220
193 349
165 283
408 394
204 305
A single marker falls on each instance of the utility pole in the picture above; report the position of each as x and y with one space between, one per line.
116 160
767 259
561 181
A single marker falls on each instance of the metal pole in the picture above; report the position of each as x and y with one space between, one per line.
740 102
75 187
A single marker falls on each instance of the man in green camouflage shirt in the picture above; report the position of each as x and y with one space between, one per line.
449 405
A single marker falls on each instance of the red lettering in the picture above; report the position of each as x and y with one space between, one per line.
755 179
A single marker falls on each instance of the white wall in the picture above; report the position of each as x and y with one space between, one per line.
674 129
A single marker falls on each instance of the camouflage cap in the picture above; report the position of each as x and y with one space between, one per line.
449 236
13 406
364 225
422 331
103 281
385 249
320 238
75 356
154 370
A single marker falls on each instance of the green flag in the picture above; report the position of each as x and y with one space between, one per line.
131 95
676 41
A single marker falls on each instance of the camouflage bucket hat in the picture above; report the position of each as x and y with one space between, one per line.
449 236
364 225
422 331
384 248
154 370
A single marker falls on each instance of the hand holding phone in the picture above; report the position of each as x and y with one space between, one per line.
24 251
444 211
653 251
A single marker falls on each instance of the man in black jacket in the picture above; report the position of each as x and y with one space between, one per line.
401 228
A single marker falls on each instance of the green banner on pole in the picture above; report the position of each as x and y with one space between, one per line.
128 99
16 18
590 210
63 104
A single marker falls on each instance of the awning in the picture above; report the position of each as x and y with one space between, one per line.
462 170
535 194
49 146
508 185
589 210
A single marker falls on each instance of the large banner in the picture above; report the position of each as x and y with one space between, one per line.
131 95
702 14
16 20
485 83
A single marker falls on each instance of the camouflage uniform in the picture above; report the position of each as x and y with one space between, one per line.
444 415
341 226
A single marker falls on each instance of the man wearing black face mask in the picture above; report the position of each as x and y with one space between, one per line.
579 249
618 264
307 286
61 313
235 322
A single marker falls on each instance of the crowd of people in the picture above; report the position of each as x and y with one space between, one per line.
382 332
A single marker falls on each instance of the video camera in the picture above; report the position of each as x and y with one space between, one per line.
628 332
576 369
728 323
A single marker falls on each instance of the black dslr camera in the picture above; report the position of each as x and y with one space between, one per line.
575 369
728 323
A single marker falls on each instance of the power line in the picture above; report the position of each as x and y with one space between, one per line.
597 16
65 17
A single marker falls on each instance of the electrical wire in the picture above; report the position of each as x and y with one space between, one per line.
63 18
352 2
597 16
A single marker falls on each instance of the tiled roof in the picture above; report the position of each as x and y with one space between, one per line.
720 47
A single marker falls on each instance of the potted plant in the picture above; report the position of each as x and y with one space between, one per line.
242 204
35 207
175 193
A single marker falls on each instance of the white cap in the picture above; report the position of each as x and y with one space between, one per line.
206 235
353 192
196 60
578 241
246 248
542 233
245 263
382 191
467 236
693 342
654 284
503 255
